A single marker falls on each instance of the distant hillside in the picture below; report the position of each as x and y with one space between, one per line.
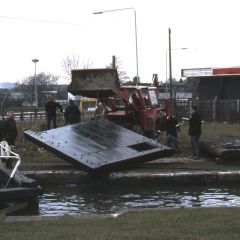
7 85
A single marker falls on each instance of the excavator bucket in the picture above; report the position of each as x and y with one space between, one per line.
95 83
99 145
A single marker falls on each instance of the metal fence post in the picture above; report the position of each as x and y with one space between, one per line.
35 113
214 110
190 106
21 115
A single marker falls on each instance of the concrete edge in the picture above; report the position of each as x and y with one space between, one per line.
61 177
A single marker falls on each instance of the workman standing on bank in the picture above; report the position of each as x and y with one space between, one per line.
169 124
51 111
72 113
195 130
10 131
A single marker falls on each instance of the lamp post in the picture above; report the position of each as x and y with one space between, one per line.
35 82
135 25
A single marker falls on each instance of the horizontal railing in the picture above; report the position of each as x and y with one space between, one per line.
21 116
29 115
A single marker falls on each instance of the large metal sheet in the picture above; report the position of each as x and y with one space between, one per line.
99 145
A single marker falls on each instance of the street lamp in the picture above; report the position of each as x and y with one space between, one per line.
35 82
135 24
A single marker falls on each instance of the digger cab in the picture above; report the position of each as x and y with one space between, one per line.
87 105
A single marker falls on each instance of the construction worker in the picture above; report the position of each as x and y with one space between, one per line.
72 113
10 131
51 111
195 130
170 125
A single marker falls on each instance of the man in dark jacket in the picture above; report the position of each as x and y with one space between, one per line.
10 131
72 113
51 111
195 131
169 124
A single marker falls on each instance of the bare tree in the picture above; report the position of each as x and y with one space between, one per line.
69 63
87 64
42 79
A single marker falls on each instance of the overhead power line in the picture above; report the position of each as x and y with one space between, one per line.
40 20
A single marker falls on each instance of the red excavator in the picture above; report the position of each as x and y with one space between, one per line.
135 107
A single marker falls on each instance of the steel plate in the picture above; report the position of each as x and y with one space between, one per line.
99 145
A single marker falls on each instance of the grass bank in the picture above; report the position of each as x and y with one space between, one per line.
210 131
29 151
177 224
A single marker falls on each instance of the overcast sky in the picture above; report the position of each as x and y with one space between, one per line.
209 29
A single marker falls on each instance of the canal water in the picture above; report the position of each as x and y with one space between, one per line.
72 199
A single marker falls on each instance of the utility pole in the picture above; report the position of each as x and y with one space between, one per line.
170 70
113 62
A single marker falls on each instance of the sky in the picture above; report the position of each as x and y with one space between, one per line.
51 30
